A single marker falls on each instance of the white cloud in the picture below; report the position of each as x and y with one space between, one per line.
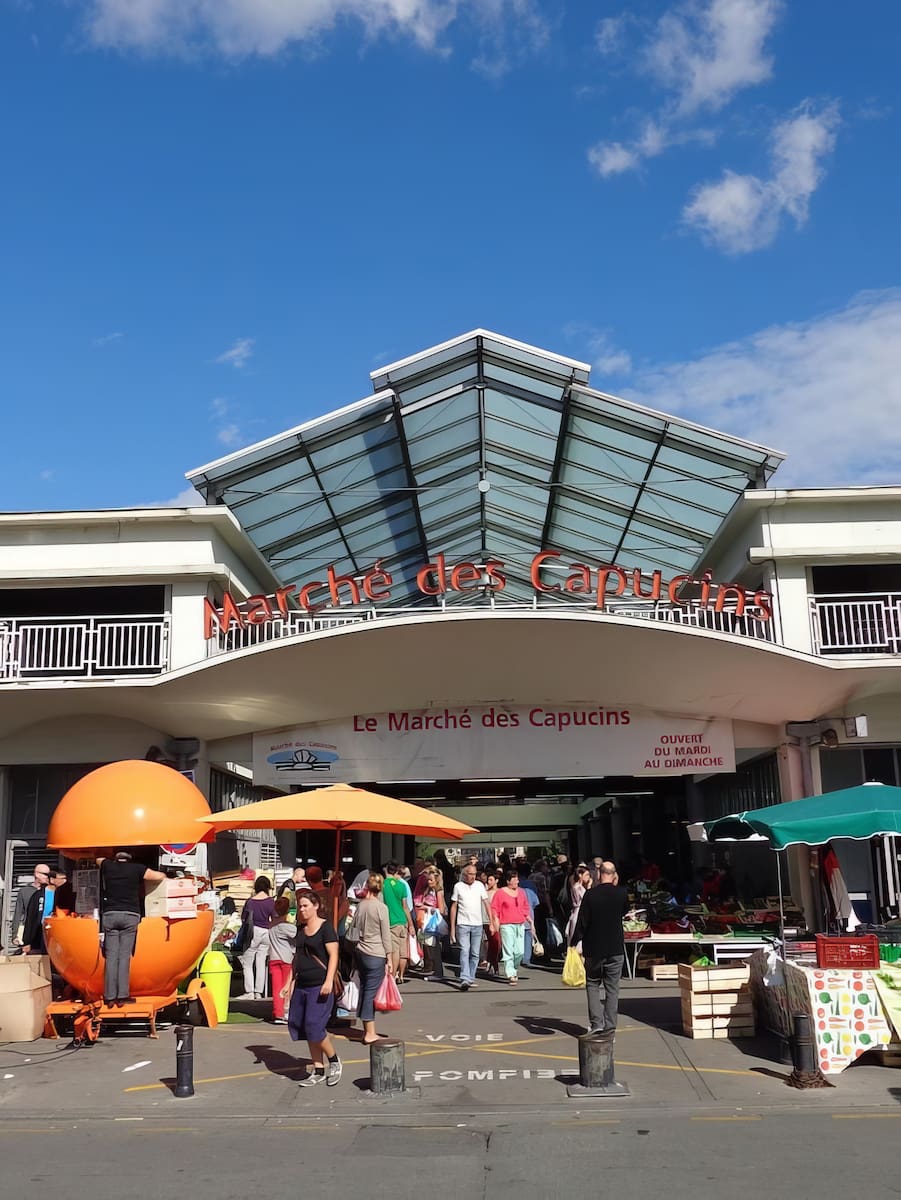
107 339
237 355
614 158
187 498
740 213
827 391
229 435
238 29
705 52
610 34
700 53
600 350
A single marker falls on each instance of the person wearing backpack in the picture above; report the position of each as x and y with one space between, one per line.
399 901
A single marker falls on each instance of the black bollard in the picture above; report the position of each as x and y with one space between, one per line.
597 1076
184 1060
386 1068
804 1049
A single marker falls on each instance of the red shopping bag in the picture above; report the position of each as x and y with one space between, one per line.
388 998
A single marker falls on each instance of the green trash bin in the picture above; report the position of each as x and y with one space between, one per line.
216 972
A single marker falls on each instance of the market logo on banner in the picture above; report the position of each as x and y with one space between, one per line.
302 758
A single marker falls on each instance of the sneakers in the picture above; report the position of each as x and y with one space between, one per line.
333 1074
313 1079
279 1020
434 979
464 986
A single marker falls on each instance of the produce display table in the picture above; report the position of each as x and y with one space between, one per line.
723 945
846 1010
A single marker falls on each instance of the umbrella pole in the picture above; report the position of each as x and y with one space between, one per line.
781 906
337 869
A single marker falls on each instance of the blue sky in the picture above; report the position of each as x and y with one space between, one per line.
219 216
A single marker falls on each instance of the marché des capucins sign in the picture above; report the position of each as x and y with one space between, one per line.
601 581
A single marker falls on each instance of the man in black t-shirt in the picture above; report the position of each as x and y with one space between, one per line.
599 928
120 906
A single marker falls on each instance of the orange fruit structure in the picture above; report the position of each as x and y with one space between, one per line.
131 803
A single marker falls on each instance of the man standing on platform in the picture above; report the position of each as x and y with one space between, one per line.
120 906
599 928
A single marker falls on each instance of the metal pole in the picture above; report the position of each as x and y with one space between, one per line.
781 906
184 1060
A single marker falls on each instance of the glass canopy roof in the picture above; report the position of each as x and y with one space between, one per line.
484 448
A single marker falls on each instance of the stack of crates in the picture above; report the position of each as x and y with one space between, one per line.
716 1001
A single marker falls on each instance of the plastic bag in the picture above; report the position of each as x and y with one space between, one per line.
350 997
553 935
573 969
388 997
435 924
414 954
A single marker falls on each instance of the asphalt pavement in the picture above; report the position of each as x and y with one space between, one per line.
486 1107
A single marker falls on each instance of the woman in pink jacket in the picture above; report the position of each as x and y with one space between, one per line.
510 916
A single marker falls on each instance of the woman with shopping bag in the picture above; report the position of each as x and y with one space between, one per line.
370 935
431 914
511 915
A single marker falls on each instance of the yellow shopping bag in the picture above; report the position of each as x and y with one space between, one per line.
573 969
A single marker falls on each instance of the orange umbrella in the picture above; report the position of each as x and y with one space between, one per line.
340 807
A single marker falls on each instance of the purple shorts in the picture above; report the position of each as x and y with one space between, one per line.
309 1015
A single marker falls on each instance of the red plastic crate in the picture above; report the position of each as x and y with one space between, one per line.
851 953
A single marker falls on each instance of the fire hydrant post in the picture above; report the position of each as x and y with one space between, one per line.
184 1060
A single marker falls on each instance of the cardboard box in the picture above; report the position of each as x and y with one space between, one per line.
171 898
24 996
38 963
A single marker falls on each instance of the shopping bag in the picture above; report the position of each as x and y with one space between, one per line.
553 935
350 997
573 969
537 948
388 997
414 954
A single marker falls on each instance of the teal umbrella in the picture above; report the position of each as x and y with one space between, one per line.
870 810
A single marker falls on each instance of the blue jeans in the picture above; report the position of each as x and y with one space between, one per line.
527 948
469 938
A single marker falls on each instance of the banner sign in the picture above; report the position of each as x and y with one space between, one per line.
494 742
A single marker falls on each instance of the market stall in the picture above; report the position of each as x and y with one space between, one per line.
851 1012
847 986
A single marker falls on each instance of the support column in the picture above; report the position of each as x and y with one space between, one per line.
621 829
794 779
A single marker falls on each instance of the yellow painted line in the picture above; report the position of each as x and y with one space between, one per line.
571 1124
55 1129
866 1116
727 1118
620 1062
301 1067
165 1129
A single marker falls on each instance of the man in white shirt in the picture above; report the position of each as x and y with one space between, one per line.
468 915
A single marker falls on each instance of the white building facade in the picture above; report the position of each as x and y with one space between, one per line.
488 587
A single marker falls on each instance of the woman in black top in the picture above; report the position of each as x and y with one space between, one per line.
311 988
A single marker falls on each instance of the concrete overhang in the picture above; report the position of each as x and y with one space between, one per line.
471 658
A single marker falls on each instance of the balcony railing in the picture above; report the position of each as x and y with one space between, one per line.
83 647
863 623
689 614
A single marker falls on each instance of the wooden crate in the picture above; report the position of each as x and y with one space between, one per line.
713 979
660 971
716 1001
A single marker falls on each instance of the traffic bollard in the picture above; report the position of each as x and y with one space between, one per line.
804 1050
386 1068
597 1074
184 1060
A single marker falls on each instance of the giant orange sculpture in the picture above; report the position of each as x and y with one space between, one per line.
131 803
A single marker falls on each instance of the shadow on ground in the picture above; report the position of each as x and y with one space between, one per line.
278 1062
